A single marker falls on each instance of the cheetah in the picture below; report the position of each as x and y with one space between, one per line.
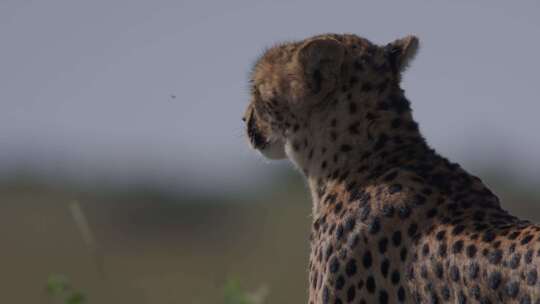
393 221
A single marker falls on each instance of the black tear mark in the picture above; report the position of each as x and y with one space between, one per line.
254 135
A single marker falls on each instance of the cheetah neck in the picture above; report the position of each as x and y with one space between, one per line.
359 141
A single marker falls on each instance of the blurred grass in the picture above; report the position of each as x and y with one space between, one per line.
61 291
161 248
154 250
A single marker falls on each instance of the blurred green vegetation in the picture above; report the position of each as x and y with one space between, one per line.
145 245
60 289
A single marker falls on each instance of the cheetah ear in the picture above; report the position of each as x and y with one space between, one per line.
319 62
401 52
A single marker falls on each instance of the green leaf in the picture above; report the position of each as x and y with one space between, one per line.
57 285
233 294
76 297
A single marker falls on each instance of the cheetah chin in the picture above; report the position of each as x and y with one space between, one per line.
274 150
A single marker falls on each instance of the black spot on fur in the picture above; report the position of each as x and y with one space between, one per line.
396 238
383 245
512 289
445 293
404 212
401 294
471 251
514 260
351 293
458 229
425 249
367 260
383 297
374 226
454 273
334 265
495 256
349 224
473 270
340 282
403 254
525 299
370 284
442 250
395 277
440 235
412 229
388 210
431 213
438 270
532 276
529 256
457 247
385 265
494 280
488 236
526 239
345 148
350 267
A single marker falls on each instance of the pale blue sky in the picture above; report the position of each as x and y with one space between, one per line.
85 86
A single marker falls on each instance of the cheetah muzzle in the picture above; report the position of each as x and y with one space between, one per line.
393 221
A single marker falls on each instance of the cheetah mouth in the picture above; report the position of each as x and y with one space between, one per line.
271 149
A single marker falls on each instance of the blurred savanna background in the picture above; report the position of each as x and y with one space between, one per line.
125 173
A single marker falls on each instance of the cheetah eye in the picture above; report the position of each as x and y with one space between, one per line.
244 119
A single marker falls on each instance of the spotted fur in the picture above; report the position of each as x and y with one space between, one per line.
393 221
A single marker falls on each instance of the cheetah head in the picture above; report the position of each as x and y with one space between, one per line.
292 82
